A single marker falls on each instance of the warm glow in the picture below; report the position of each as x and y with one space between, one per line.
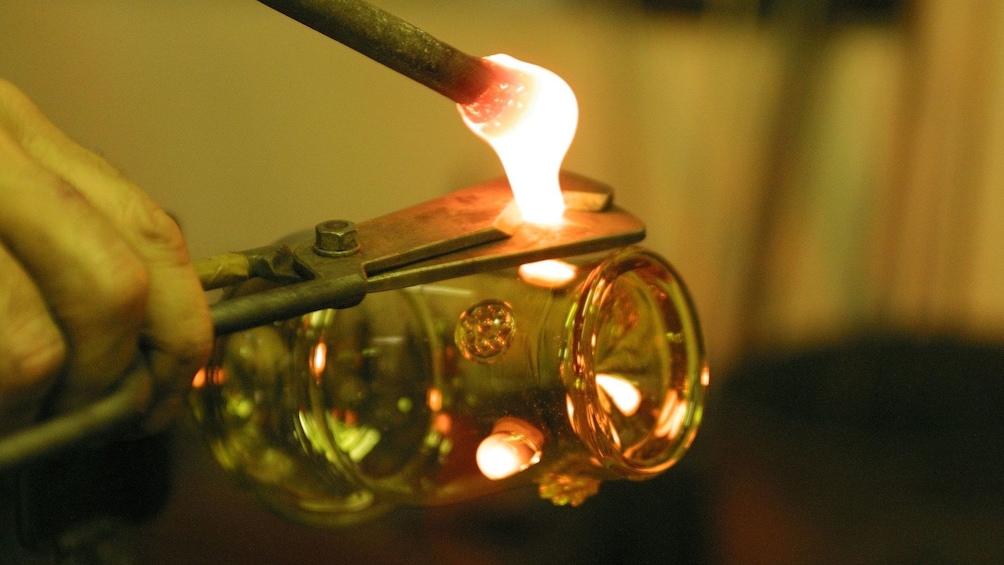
529 119
218 376
498 457
319 359
512 447
434 399
552 273
442 423
671 418
624 395
199 380
502 455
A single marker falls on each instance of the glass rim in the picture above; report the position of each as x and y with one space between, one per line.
585 414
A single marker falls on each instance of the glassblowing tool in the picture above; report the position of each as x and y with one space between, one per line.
469 231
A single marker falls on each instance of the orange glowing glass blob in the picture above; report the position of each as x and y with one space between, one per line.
434 399
199 380
625 396
512 447
529 118
443 424
319 359
552 273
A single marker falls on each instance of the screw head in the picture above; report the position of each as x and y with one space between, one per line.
336 238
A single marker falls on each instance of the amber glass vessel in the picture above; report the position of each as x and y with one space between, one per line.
561 373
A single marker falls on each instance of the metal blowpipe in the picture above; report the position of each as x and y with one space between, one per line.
394 43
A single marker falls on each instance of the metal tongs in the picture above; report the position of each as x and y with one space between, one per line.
474 230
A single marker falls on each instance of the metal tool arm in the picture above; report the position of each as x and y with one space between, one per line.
469 231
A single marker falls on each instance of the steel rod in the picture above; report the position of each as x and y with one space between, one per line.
395 43
87 423
245 312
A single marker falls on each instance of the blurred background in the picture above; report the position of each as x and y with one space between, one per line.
827 176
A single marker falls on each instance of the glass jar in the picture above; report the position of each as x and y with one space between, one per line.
560 373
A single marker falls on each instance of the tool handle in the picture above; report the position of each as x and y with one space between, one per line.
120 407
223 270
81 425
284 302
130 399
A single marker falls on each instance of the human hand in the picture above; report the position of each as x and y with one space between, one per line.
94 277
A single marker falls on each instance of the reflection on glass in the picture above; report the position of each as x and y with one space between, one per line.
445 392
513 446
552 273
618 390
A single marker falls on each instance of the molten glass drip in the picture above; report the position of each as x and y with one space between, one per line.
529 119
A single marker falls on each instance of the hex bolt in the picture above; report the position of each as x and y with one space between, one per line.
336 238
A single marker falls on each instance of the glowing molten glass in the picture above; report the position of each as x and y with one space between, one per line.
529 119
319 359
199 380
551 273
512 447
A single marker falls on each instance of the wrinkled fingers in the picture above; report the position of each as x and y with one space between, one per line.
94 285
176 335
32 349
